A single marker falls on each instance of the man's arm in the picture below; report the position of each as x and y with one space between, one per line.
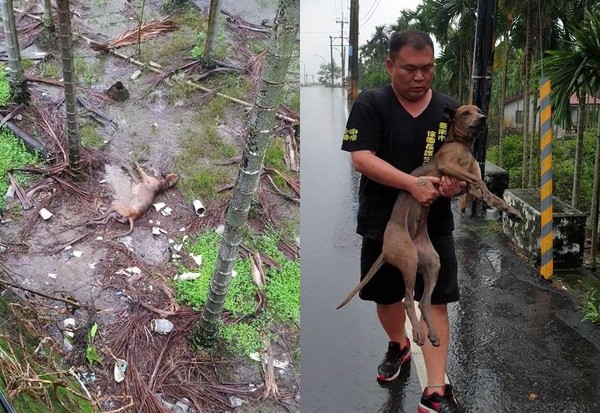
421 188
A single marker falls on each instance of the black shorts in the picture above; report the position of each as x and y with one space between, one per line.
387 285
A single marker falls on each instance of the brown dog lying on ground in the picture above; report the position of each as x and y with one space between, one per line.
406 244
143 197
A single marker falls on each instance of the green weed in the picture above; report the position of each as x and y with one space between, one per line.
591 308
26 64
13 154
281 290
50 69
90 137
220 46
5 95
88 73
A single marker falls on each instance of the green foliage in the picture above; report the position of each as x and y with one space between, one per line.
242 338
88 73
13 154
281 290
563 165
50 69
90 138
91 354
591 309
5 98
203 182
220 45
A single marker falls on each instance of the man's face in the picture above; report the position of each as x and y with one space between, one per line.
411 72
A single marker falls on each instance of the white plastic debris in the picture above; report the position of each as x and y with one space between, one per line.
171 241
92 265
220 229
199 208
10 192
67 248
129 271
159 205
99 238
234 273
182 229
161 325
175 255
77 254
119 370
166 211
185 237
45 214
178 247
282 365
186 276
158 231
235 401
136 74
197 259
52 275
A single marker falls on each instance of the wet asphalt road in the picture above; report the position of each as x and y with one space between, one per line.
512 337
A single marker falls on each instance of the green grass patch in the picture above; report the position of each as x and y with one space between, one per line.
281 290
5 95
88 70
50 69
90 137
220 46
13 154
591 308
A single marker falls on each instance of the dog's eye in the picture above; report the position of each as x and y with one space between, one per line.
465 114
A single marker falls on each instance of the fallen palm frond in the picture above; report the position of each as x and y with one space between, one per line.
146 31
174 371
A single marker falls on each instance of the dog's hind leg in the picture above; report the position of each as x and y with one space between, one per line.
400 251
429 268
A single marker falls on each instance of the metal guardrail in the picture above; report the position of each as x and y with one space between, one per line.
6 406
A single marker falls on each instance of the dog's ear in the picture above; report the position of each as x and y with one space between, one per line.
171 179
449 113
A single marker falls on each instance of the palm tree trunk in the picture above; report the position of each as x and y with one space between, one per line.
48 21
211 32
66 50
18 85
260 132
595 196
581 115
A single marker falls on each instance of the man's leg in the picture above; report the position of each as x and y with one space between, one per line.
392 318
435 357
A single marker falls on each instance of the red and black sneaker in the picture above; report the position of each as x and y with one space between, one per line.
435 403
392 363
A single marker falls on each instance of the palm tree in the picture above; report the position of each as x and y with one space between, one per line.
577 68
211 31
18 84
66 50
260 133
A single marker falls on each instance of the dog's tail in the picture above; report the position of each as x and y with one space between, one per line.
374 268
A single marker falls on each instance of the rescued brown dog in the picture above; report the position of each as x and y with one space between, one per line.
406 244
143 197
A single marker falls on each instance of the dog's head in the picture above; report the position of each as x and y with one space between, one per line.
467 121
170 180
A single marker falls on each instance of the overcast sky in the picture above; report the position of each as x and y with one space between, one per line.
318 22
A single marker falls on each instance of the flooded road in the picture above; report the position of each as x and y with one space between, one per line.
518 346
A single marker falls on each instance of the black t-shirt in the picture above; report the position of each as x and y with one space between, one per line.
379 123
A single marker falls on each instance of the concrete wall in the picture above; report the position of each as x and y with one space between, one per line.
568 225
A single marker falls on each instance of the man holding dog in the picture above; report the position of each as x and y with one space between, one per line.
391 131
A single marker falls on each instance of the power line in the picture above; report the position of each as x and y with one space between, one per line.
369 11
369 17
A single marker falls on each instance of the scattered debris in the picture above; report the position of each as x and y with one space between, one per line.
159 205
161 326
52 275
197 259
146 31
158 231
119 370
45 214
136 74
186 276
129 271
77 254
199 208
235 401
166 211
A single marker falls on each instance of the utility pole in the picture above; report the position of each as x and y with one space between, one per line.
353 50
342 21
482 75
331 51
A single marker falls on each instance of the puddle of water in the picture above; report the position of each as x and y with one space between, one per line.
495 259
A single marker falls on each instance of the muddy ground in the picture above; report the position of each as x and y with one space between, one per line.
152 127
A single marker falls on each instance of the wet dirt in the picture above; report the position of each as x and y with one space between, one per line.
146 128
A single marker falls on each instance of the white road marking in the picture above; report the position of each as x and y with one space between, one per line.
417 353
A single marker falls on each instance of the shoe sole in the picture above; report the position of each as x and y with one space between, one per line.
405 360
425 409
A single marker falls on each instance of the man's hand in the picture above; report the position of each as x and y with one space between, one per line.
424 189
450 186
